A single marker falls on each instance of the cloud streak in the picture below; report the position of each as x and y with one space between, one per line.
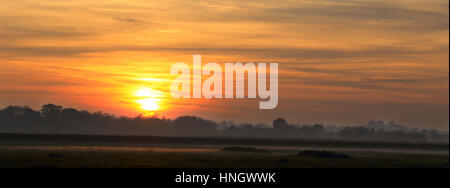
337 58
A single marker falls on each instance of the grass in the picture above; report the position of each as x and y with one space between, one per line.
25 139
323 154
46 151
26 158
244 149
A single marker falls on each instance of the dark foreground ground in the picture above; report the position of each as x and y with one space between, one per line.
41 151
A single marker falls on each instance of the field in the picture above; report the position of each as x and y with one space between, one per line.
41 151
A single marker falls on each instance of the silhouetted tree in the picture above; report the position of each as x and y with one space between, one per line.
281 124
52 113
193 125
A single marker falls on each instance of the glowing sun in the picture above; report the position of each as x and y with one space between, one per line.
149 99
149 104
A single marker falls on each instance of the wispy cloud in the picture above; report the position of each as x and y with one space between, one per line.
341 61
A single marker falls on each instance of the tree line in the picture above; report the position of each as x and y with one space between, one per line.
54 119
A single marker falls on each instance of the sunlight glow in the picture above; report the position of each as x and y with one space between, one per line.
149 99
147 92
150 104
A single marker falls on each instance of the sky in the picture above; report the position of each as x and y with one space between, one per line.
341 62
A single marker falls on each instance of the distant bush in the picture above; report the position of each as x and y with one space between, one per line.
244 149
323 154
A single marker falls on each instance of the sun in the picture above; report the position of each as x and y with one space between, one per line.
149 99
150 104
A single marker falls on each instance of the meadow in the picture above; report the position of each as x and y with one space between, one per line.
45 151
